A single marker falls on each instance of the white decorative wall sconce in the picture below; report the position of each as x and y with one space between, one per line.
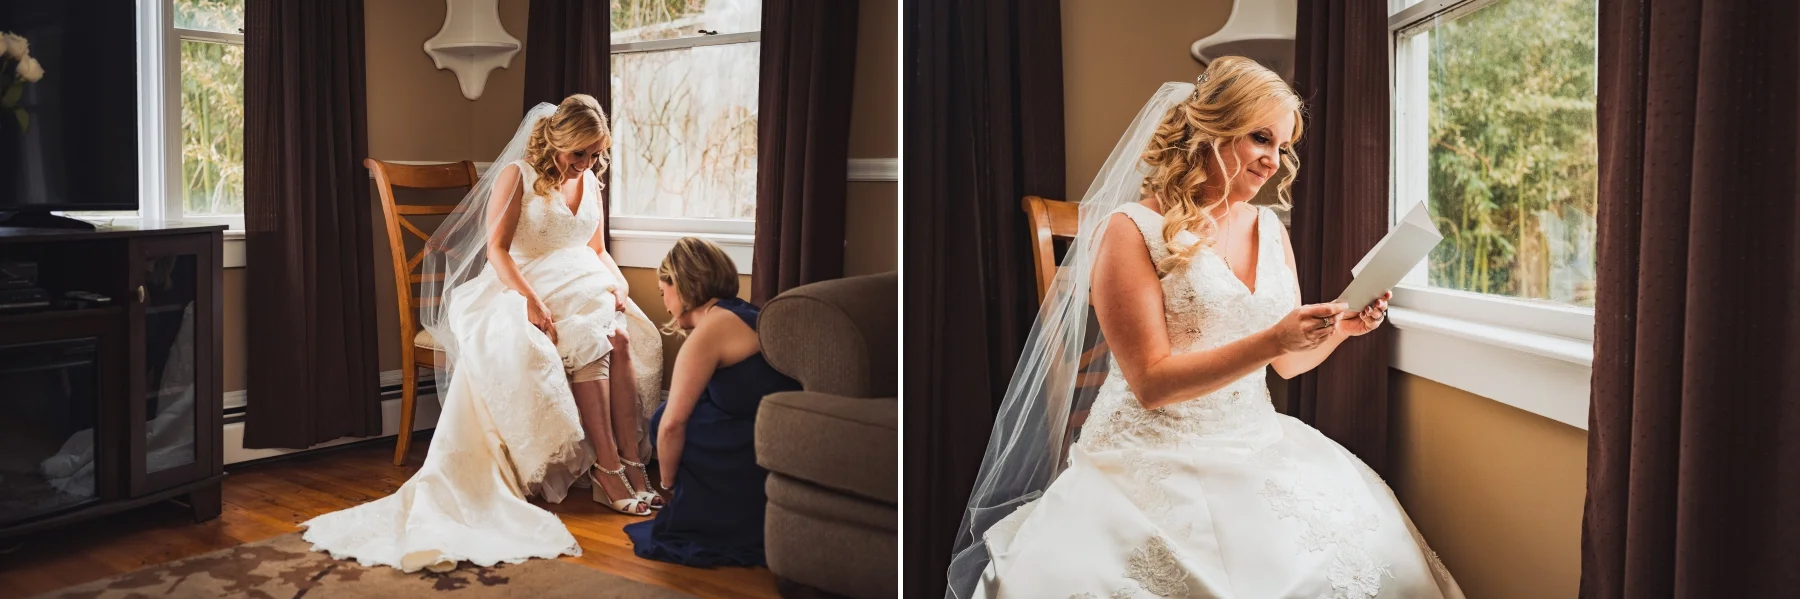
472 43
1262 30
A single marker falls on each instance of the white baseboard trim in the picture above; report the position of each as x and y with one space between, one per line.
235 399
425 417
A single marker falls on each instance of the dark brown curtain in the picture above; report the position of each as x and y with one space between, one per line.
1341 210
568 51
314 374
803 142
1694 430
984 128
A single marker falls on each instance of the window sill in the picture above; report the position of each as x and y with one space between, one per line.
646 249
234 248
1545 374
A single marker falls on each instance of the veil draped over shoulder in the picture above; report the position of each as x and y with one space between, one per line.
1064 358
457 251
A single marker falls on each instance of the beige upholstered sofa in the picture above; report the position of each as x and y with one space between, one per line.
831 449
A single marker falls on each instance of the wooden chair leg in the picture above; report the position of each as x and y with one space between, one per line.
409 389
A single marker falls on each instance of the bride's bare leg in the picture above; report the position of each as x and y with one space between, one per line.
596 420
625 416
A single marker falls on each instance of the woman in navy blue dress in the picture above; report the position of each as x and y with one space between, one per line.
705 433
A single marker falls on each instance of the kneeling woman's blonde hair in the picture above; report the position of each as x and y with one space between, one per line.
700 272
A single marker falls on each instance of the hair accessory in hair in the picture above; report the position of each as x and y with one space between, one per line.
1198 81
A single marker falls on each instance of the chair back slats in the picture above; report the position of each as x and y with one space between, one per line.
426 209
389 176
1050 220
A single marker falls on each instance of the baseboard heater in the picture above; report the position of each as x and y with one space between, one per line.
424 418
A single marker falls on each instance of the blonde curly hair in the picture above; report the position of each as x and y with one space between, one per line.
1231 99
578 123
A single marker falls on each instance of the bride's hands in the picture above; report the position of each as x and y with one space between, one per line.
620 297
621 343
539 315
1307 326
1368 319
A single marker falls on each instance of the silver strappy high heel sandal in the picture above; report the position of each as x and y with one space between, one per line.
651 497
631 505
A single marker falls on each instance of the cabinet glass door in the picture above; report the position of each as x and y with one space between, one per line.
175 391
169 294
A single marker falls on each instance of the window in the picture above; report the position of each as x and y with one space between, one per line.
191 115
684 109
1494 129
210 34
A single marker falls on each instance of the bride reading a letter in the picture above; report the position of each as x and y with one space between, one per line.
1185 481
551 369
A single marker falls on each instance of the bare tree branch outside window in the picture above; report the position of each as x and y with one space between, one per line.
684 119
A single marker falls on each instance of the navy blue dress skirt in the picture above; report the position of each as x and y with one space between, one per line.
714 515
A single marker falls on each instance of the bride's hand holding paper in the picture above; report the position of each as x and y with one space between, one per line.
1374 277
1307 327
1360 323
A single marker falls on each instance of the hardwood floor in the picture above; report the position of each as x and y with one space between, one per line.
271 499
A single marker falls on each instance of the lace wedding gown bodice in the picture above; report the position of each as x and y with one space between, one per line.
1217 496
509 428
1205 306
546 224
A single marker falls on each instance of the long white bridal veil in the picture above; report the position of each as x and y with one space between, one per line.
457 250
1061 365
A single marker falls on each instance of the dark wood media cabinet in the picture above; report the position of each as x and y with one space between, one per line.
108 406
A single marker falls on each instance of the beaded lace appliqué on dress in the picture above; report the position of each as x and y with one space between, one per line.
1331 520
1204 306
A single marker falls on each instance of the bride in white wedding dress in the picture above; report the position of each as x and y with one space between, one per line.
1185 481
533 315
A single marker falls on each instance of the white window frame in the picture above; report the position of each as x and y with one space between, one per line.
1536 356
643 241
159 120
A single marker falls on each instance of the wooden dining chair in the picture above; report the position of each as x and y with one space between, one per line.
417 348
1052 221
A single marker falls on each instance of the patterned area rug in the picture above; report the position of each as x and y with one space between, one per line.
284 567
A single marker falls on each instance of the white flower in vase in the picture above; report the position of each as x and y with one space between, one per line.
17 47
30 71
25 70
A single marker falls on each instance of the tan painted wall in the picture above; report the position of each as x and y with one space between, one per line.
1115 55
234 330
1496 490
872 213
417 112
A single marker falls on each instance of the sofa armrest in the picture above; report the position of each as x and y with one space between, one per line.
838 336
843 443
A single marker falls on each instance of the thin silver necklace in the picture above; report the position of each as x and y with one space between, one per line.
1230 216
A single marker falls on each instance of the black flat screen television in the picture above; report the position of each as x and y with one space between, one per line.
69 140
